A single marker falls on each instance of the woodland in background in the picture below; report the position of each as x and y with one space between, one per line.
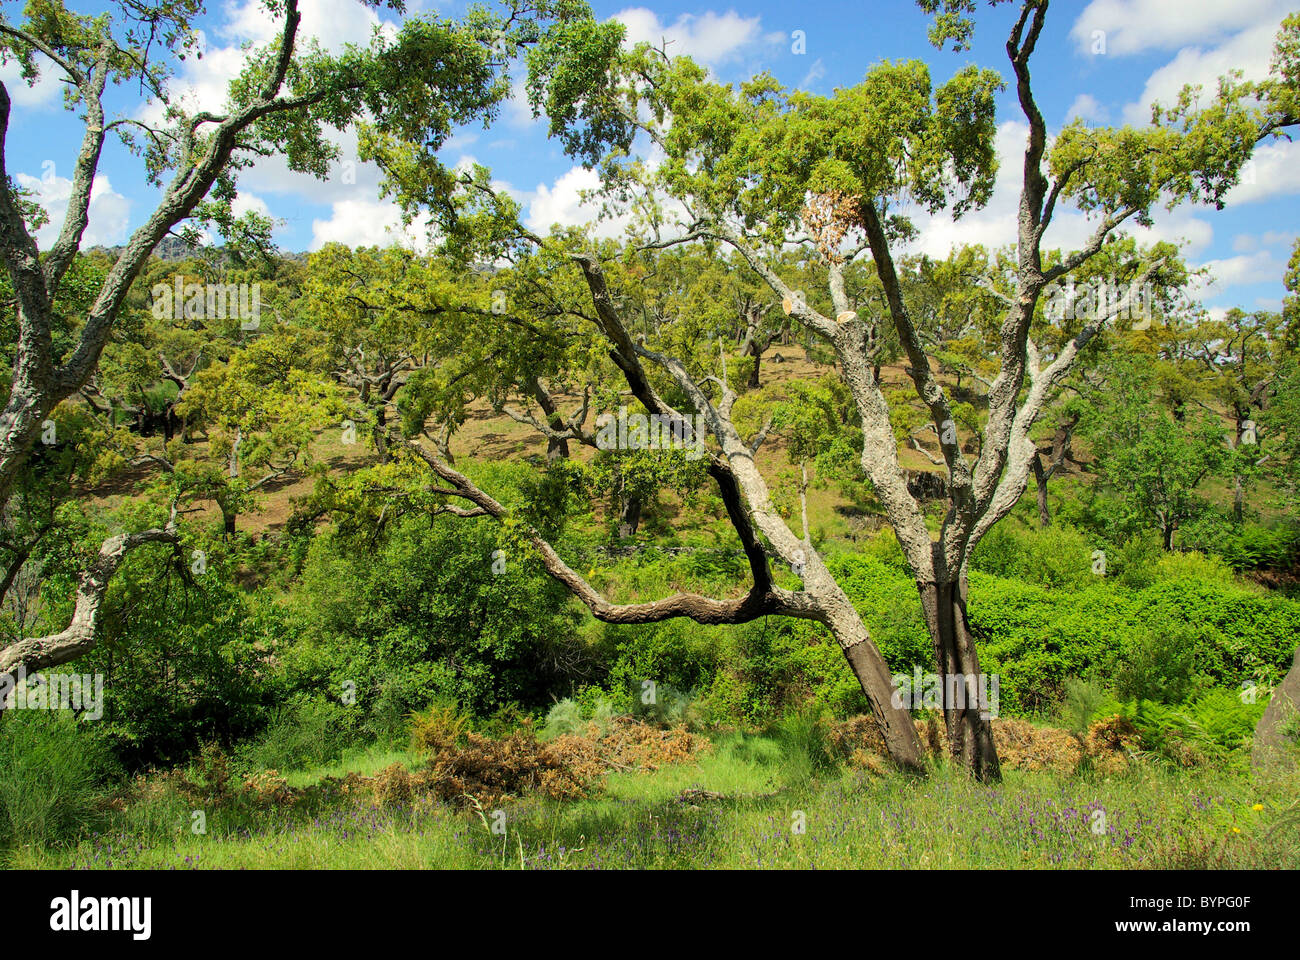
380 521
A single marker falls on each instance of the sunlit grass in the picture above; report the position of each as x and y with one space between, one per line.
762 817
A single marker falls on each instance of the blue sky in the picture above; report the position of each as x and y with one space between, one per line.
1104 60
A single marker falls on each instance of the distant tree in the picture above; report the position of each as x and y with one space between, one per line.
1150 460
414 85
758 169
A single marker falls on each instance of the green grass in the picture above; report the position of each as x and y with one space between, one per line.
1154 817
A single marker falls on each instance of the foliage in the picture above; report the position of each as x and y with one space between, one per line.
54 773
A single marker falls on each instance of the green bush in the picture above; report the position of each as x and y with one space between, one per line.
1159 664
184 657
422 615
1058 556
569 717
301 734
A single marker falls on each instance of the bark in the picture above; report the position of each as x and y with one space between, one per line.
969 727
37 653
1040 482
557 448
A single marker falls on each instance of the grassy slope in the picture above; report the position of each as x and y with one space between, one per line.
1152 818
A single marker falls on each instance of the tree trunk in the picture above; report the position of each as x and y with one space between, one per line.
968 722
872 672
555 449
757 354
380 432
629 518
1238 487
1040 482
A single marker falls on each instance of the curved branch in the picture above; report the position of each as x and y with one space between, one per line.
37 653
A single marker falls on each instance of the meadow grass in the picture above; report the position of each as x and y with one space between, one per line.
1147 817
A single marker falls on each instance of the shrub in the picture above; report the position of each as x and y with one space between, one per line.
1084 701
1058 556
439 726
301 734
569 718
1158 664
421 616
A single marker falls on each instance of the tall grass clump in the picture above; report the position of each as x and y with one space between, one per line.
54 774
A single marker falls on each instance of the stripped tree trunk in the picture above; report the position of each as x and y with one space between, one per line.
968 724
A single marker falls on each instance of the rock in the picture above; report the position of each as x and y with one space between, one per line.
1271 743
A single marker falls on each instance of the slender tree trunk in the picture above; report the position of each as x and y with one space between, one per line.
968 722
380 431
555 449
629 518
1238 486
1040 483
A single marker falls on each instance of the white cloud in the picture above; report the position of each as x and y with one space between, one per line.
995 225
1250 51
1086 107
710 38
1132 26
42 93
1259 267
369 223
333 23
563 204
249 203
1273 170
108 212
1249 242
815 73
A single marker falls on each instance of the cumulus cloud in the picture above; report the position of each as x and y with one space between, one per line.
249 203
1250 51
711 38
1086 107
42 93
332 23
1273 170
995 224
369 223
1134 26
109 211
563 204
1246 268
